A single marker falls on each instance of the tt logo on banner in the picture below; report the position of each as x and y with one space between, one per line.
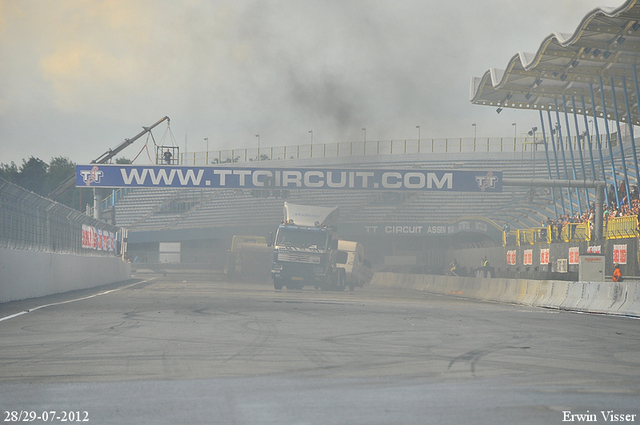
91 176
487 182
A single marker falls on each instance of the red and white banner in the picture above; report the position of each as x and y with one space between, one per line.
596 249
511 258
574 255
620 254
528 257
544 256
98 239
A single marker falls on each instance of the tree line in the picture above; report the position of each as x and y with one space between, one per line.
36 175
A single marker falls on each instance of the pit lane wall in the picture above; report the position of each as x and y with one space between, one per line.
595 297
30 274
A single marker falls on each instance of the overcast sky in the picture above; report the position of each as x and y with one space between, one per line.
77 77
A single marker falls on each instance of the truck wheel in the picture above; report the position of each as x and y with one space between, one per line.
342 280
328 283
277 284
335 280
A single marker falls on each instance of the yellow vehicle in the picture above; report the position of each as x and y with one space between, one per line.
249 258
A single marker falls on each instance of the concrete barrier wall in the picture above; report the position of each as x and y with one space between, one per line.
29 274
595 297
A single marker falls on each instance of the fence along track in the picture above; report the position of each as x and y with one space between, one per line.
31 222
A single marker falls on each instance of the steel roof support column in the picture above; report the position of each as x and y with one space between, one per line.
630 123
600 194
578 137
598 185
595 121
97 203
564 158
624 162
555 155
588 137
546 151
573 163
635 77
606 126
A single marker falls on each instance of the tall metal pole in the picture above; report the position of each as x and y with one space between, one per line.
573 163
624 162
606 127
595 121
564 158
588 135
546 151
555 156
598 185
575 122
630 124
637 84
97 203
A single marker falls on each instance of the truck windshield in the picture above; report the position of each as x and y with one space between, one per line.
300 238
343 257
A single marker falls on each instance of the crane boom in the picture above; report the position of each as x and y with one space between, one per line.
105 157
113 152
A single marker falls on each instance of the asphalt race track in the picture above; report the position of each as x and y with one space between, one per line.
194 349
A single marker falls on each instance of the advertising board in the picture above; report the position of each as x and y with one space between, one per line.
218 177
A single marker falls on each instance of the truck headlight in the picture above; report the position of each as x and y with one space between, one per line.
277 267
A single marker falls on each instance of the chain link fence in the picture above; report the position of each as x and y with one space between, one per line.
31 222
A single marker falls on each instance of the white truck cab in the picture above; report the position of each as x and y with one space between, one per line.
351 258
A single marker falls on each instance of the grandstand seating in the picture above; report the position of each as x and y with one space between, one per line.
155 209
142 208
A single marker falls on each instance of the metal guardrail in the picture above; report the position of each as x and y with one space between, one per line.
614 228
621 227
379 147
31 222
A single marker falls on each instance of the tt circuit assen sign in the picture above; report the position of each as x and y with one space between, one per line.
112 176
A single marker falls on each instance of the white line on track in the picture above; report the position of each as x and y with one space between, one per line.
2 319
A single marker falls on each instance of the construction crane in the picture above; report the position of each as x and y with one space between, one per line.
104 158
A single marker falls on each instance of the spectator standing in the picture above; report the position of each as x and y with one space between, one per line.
485 270
453 267
617 274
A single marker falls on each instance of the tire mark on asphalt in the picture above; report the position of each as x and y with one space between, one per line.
61 351
31 310
266 331
316 357
474 356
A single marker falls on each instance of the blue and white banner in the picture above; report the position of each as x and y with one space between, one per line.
218 177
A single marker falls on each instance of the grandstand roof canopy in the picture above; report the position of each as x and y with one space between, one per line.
606 44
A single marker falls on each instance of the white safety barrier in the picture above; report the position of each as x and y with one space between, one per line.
31 274
596 297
